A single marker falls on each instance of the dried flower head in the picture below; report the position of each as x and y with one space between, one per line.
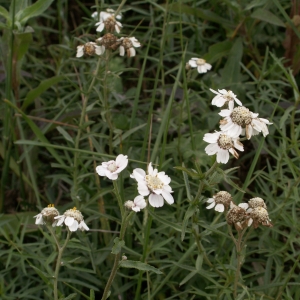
220 201
47 215
225 97
237 216
89 48
221 144
253 203
128 45
259 215
199 63
108 41
73 219
241 120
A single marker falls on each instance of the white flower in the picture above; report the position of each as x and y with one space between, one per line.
90 49
108 21
47 215
112 168
128 44
155 184
241 120
221 144
109 11
137 204
199 63
223 97
73 219
219 201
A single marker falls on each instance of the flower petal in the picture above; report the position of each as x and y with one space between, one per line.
219 207
168 197
156 200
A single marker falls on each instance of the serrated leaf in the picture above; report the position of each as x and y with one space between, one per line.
138 265
65 134
33 10
117 246
42 87
267 16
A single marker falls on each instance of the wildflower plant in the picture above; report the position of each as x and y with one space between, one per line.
165 134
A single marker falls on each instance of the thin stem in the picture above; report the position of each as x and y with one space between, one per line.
125 221
77 140
58 261
117 193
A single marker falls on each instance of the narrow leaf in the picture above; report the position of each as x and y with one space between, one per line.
117 246
267 16
189 213
138 265
65 134
33 10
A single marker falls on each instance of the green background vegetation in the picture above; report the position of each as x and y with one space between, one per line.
253 47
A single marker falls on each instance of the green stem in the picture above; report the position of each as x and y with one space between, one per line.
117 193
60 250
74 193
125 221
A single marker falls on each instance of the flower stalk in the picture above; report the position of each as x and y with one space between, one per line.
125 220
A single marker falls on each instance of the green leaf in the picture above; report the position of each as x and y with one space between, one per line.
231 71
217 51
33 10
65 134
285 116
138 265
117 246
193 174
4 13
189 213
267 16
42 87
127 134
39 134
199 13
162 220
187 185
72 296
22 42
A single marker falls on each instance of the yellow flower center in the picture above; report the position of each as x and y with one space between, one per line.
154 183
200 61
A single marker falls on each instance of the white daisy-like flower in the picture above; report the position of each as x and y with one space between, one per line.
137 204
155 184
110 11
199 63
241 121
109 22
128 45
90 48
73 219
112 168
219 201
224 97
47 216
221 144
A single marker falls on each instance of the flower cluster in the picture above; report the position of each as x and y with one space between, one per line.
199 63
153 184
72 218
109 21
236 121
243 215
